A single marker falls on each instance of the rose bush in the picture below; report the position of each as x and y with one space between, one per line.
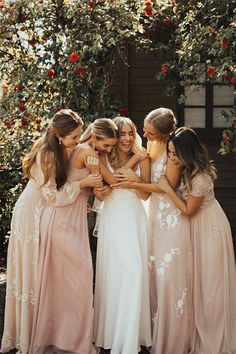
62 53
54 54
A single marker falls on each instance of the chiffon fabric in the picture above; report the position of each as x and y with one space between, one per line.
63 319
214 289
122 307
22 259
171 268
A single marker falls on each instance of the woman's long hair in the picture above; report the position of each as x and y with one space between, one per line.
114 155
51 151
102 128
192 154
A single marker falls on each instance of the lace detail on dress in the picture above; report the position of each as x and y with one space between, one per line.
167 219
202 185
12 293
168 258
180 303
158 169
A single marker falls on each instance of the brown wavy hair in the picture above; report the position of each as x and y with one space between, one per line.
192 154
49 148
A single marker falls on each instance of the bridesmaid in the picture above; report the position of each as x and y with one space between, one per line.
46 167
170 259
214 288
63 319
122 309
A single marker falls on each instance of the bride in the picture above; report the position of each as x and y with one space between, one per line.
122 308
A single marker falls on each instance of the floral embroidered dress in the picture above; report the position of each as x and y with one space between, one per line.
63 318
171 261
214 287
122 308
22 257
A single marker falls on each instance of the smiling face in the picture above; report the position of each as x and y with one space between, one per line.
151 133
104 145
72 139
126 139
172 154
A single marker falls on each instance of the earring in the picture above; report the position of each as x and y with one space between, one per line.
60 140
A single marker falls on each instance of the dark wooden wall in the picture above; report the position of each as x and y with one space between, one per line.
135 85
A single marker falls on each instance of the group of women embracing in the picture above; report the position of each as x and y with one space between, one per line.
165 274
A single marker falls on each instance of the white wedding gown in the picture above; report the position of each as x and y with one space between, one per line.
122 307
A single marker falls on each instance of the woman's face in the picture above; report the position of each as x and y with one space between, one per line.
126 139
172 154
151 133
104 145
72 139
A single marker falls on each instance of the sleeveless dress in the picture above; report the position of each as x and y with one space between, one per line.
22 257
122 307
171 261
63 318
214 288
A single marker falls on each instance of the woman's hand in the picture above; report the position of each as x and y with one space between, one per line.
163 184
92 162
126 174
102 192
125 185
92 180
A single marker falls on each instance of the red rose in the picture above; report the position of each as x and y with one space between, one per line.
18 87
191 2
23 122
164 69
91 3
123 111
74 57
148 12
79 70
233 80
211 71
167 21
51 73
148 4
31 41
225 137
224 44
21 106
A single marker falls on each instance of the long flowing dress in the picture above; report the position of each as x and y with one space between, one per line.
22 258
122 307
63 319
171 271
214 288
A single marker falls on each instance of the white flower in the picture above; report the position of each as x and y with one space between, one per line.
180 303
168 258
161 272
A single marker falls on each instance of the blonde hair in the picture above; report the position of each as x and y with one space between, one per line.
62 124
102 128
162 119
114 155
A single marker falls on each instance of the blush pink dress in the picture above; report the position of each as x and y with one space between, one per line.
23 250
214 287
63 319
170 272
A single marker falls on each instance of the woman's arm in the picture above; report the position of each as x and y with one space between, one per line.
145 176
189 207
173 173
